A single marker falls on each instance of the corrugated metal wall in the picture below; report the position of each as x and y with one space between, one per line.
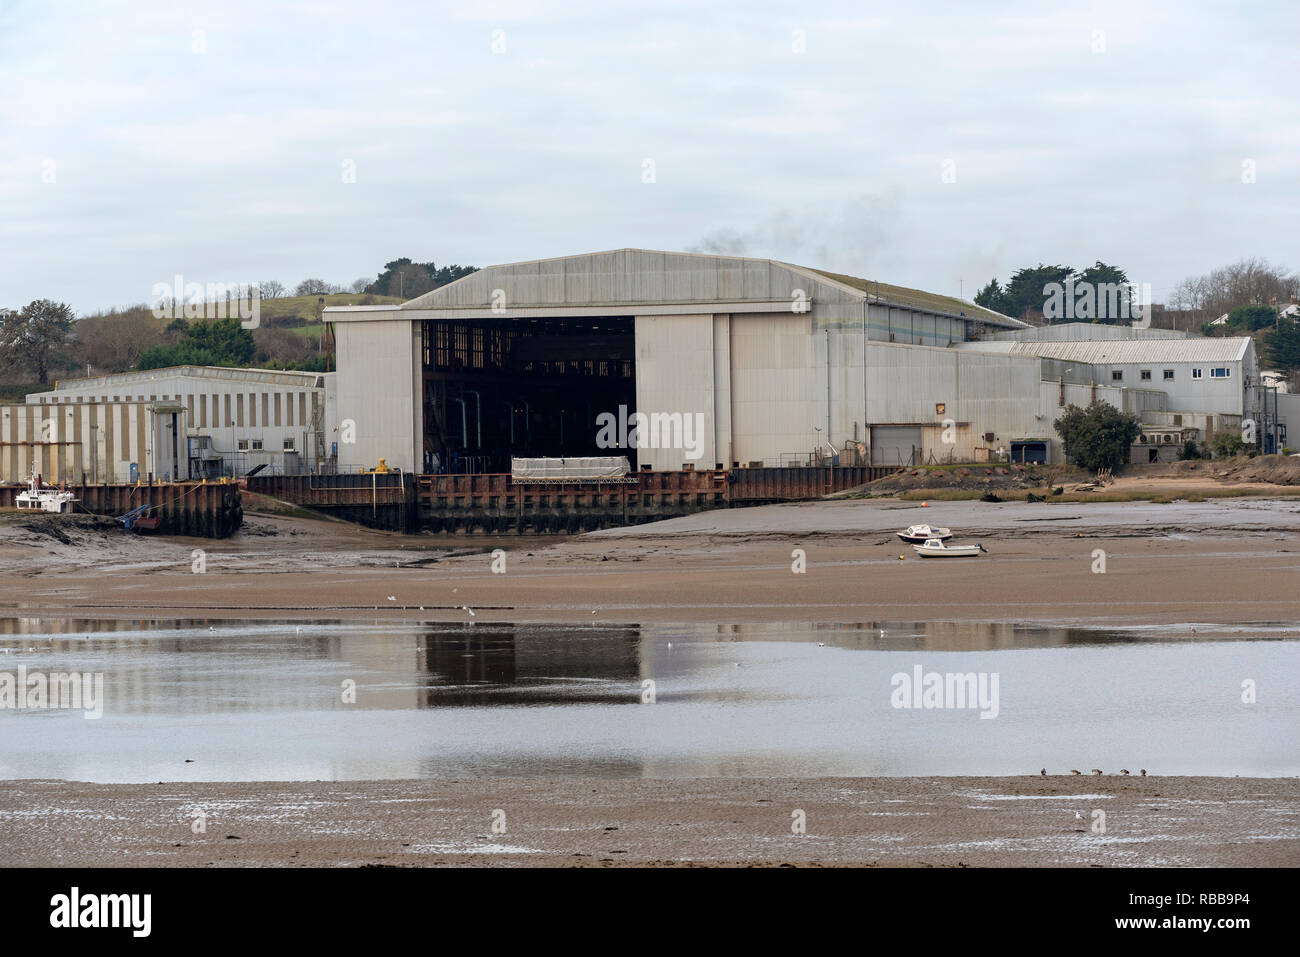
378 392
92 442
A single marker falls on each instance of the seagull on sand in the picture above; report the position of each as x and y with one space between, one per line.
1123 770
392 598
1072 771
468 609
1096 770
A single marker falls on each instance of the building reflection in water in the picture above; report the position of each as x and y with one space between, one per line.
496 664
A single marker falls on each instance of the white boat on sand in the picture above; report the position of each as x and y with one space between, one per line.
34 498
934 548
916 534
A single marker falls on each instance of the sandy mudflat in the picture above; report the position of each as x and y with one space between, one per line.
1225 560
942 822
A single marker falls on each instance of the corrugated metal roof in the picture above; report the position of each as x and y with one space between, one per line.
1119 352
1087 332
918 298
627 276
271 376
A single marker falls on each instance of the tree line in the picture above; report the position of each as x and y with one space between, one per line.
46 338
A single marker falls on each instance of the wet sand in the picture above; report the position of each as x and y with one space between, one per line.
920 822
1227 561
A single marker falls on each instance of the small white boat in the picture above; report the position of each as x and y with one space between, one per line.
37 499
917 534
934 548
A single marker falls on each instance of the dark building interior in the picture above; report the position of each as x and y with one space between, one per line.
496 388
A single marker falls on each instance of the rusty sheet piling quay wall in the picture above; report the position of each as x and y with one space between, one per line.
384 500
199 510
494 504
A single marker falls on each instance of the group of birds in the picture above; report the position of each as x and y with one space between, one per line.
462 607
1142 771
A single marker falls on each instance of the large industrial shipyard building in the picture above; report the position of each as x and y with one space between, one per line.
777 364
673 360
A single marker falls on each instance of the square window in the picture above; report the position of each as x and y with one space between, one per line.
1196 373
257 445
1169 374
1116 376
243 445
288 445
1146 375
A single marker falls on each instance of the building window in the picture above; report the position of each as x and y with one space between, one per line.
288 445
243 445
1169 375
1116 376
257 445
1146 375
1220 373
1196 373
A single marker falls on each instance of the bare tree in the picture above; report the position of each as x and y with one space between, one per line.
282 345
115 340
272 289
1249 282
312 287
359 285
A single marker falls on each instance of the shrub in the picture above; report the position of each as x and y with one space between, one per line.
1097 437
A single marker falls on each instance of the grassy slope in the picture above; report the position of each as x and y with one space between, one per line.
308 307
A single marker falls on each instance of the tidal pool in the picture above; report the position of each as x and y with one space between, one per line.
238 701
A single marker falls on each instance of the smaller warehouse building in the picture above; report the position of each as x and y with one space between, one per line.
1195 375
173 424
90 442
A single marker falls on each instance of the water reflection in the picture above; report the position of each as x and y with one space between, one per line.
267 701
193 666
494 664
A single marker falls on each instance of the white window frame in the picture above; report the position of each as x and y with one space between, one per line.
1198 373
256 445
1227 372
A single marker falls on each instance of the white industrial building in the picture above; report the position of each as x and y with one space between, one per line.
735 360
173 424
1194 374
89 441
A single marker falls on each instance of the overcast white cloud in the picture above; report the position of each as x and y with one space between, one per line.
209 139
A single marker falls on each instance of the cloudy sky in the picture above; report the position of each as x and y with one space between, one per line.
928 144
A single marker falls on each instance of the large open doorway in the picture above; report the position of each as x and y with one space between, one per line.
501 387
